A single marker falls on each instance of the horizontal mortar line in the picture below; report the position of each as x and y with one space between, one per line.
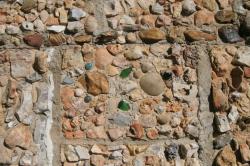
75 45
126 142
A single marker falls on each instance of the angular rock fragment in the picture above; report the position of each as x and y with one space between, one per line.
76 14
97 83
229 34
245 153
242 56
25 113
82 152
226 157
102 58
20 136
222 123
35 40
28 5
21 63
225 16
222 140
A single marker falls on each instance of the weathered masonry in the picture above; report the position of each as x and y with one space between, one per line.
124 83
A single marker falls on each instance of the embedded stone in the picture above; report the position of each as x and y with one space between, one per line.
115 133
222 123
245 152
83 39
222 140
20 136
152 84
56 28
28 5
26 159
188 7
242 56
97 83
193 35
70 153
91 24
152 134
229 34
82 152
115 49
157 8
28 26
152 35
97 160
203 17
136 53
226 157
21 63
76 14
24 113
35 40
225 16
97 133
102 58
137 130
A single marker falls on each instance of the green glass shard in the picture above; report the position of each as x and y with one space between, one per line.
123 105
125 73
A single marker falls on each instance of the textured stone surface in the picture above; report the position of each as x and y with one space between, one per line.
124 82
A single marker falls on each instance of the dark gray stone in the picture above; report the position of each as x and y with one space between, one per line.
171 152
222 140
121 119
229 34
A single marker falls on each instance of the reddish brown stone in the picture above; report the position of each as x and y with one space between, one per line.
220 100
78 134
34 40
204 17
152 133
247 72
69 134
102 58
137 130
4 57
66 96
20 136
97 160
3 17
152 160
152 35
194 35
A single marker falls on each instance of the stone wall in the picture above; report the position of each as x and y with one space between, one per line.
124 82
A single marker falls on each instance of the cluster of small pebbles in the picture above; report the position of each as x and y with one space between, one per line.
125 82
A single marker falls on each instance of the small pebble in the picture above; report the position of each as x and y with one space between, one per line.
87 99
78 92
